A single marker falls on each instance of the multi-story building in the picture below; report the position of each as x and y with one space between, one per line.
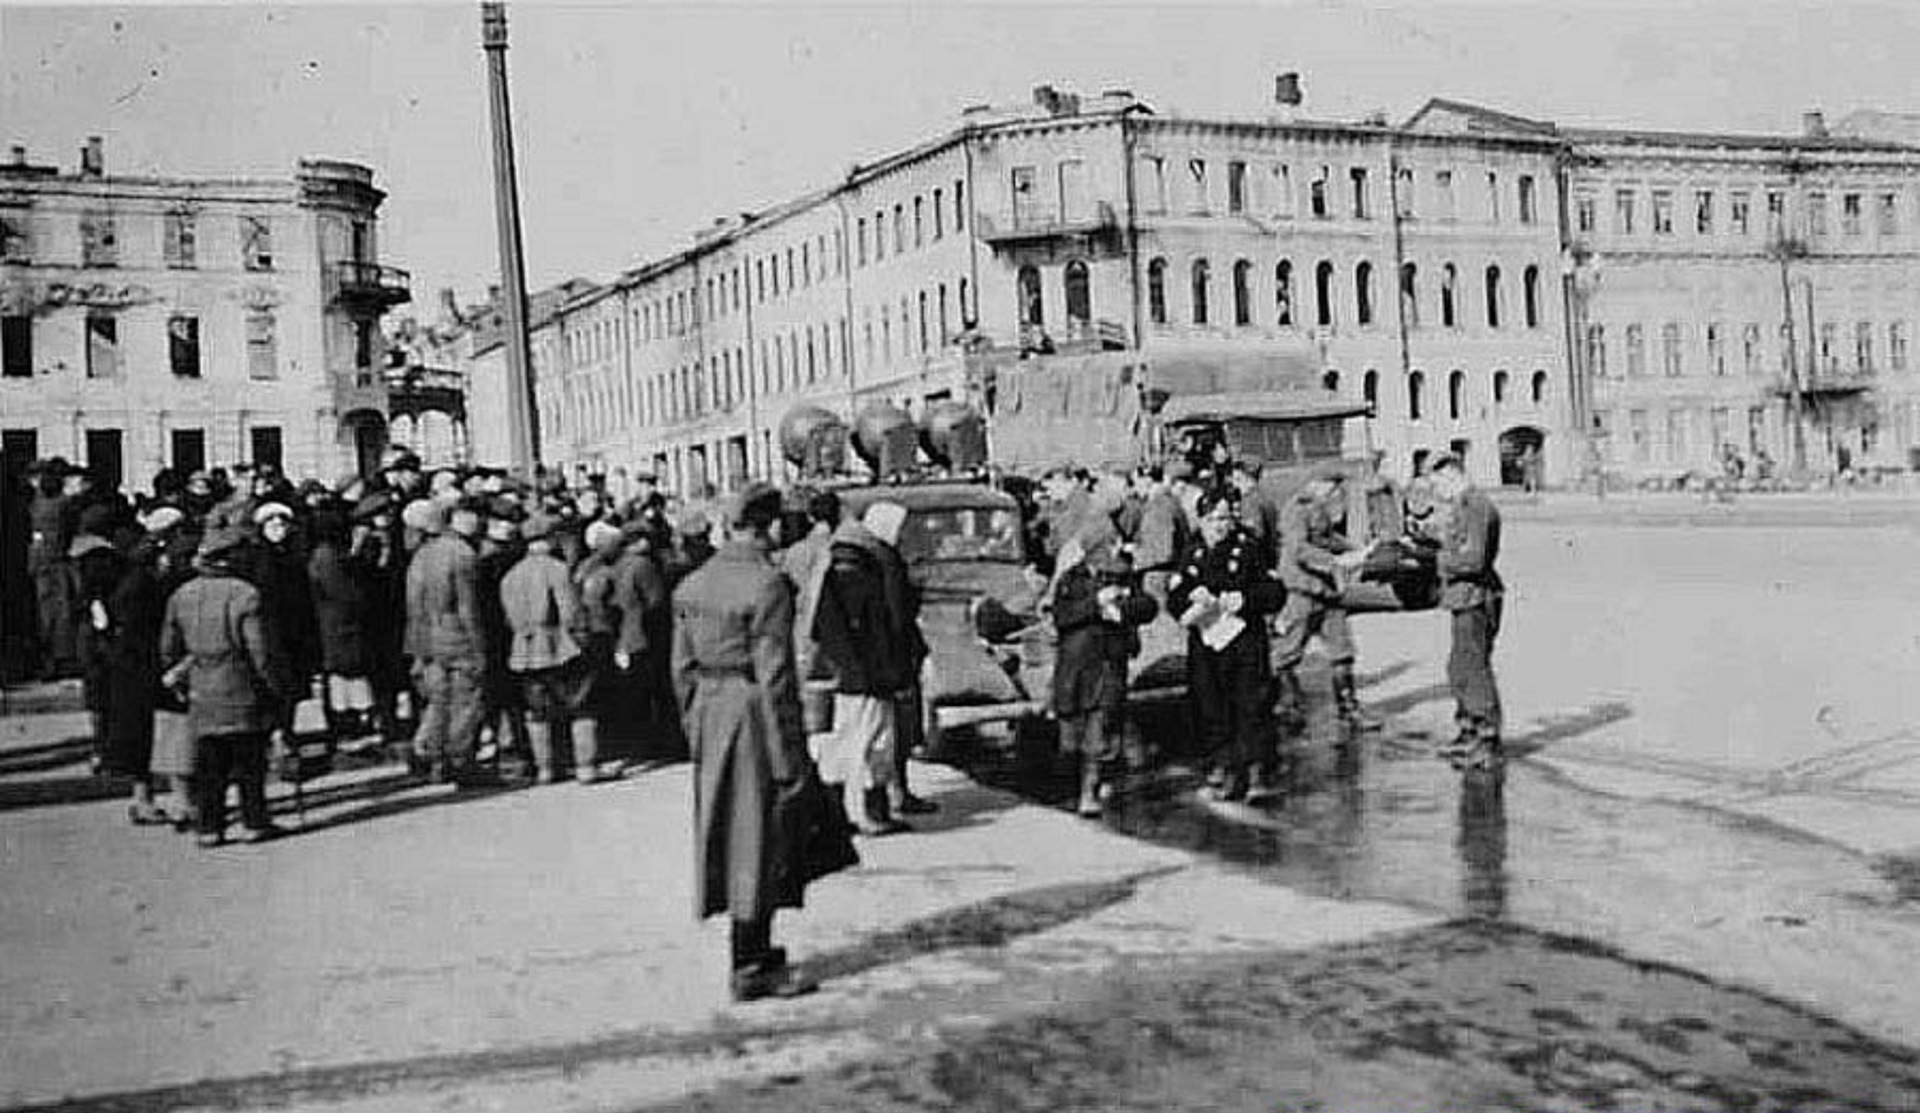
1456 272
192 322
1736 295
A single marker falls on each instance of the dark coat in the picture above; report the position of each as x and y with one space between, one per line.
286 605
1236 564
867 619
1090 664
214 624
340 609
646 623
137 611
96 571
734 677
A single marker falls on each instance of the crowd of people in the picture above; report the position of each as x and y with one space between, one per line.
489 630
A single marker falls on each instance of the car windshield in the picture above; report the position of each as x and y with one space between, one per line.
962 533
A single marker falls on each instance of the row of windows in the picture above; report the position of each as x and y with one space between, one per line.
179 242
1682 428
1270 188
106 358
1325 294
1738 220
914 224
1831 353
1501 391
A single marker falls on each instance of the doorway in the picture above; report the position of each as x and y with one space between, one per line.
105 459
1523 457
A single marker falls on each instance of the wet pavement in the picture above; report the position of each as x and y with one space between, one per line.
1512 1004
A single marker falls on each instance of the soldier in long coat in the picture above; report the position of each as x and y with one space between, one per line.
733 672
1315 557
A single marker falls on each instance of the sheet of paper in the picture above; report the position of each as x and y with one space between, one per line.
1219 633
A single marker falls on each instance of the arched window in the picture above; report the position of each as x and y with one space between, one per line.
1157 291
1323 292
1370 388
1283 294
1530 295
1499 387
1539 387
1200 278
1079 294
1416 387
1363 293
1331 380
1243 293
1032 308
1449 288
1493 297
1409 294
1456 394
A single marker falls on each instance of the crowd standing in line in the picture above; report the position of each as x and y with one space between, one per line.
490 631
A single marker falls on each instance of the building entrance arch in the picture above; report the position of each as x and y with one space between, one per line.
1523 460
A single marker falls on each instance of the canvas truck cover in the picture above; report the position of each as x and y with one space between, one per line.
1097 410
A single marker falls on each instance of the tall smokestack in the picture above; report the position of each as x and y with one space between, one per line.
1813 124
523 425
93 158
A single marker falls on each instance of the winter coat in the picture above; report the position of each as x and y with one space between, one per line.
136 610
214 623
867 618
1232 565
340 606
96 572
444 616
543 611
645 626
605 597
1161 535
734 678
1090 663
286 604
806 563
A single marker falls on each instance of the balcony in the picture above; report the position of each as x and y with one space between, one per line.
368 285
1099 228
1832 382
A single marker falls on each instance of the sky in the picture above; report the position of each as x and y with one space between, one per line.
637 124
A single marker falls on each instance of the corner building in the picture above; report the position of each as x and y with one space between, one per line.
192 322
1434 268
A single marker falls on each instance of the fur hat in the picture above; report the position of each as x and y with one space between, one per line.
271 510
601 534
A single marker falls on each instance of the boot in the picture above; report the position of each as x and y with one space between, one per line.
540 741
869 812
1090 805
1292 707
586 751
1347 699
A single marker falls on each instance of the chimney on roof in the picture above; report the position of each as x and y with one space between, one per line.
1286 89
1813 124
493 293
17 155
1056 102
93 158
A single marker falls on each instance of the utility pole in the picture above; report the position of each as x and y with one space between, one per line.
523 409
1785 250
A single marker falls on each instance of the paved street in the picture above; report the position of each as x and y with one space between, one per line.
1697 890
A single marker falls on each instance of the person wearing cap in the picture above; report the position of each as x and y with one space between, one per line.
501 549
134 612
1474 595
1097 609
562 687
213 646
1317 559
867 631
806 562
607 599
276 564
236 506
447 639
1160 536
97 566
1221 593
379 562
734 678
